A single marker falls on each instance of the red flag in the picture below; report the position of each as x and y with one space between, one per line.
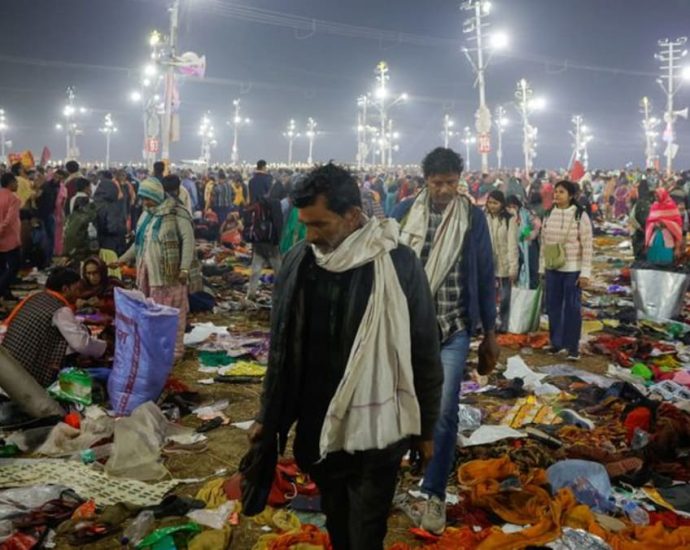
577 171
45 156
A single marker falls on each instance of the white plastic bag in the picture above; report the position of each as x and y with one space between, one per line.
525 306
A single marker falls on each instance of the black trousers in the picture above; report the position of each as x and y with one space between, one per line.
9 266
356 494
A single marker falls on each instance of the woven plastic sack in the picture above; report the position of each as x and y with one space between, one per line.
144 350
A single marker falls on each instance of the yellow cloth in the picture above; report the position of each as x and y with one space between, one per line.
24 190
110 257
213 539
212 493
247 368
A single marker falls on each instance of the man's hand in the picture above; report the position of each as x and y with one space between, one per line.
583 282
488 354
256 431
184 276
422 450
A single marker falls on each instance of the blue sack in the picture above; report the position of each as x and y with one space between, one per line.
145 334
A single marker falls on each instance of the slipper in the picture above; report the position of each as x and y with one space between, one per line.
175 505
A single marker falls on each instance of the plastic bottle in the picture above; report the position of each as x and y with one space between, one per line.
87 456
138 529
93 237
635 513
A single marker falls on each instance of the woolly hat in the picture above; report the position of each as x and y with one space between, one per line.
152 189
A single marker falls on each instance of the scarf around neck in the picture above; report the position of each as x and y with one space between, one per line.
664 210
448 241
375 404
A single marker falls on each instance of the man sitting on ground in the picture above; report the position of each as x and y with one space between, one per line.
42 330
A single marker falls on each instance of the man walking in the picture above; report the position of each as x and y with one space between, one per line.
354 358
451 238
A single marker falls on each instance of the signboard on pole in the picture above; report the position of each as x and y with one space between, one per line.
151 145
484 143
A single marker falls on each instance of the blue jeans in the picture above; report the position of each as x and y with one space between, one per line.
453 357
564 308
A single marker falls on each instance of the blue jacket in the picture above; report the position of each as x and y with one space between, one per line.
478 296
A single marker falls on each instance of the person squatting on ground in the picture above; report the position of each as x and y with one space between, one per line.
354 358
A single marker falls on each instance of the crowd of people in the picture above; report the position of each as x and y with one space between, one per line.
383 279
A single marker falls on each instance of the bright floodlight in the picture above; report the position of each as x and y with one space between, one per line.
499 41
381 93
486 7
68 111
404 97
538 103
155 38
135 96
58 126
585 129
686 73
150 70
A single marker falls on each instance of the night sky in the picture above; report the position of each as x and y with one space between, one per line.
589 57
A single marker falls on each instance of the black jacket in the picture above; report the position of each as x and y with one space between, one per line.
280 397
112 216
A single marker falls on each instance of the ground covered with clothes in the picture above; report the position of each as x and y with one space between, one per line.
592 454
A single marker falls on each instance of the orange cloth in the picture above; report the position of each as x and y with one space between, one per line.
538 340
307 535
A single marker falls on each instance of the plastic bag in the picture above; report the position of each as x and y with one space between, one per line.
73 385
137 445
525 307
144 351
469 418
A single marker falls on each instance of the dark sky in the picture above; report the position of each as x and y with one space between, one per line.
98 46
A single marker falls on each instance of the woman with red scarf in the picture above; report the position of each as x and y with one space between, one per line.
663 230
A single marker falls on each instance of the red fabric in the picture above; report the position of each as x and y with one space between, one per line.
660 375
669 519
289 482
577 171
19 541
308 535
640 417
664 210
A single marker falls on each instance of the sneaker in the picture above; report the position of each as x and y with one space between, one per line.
551 350
573 357
574 418
434 516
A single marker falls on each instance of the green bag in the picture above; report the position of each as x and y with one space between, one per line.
554 253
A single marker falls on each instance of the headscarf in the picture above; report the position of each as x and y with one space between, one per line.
664 210
151 189
104 288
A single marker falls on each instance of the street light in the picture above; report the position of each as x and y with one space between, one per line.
291 134
237 121
582 137
208 139
501 124
383 103
670 55
526 103
72 129
3 139
311 136
448 124
649 124
475 26
109 128
468 139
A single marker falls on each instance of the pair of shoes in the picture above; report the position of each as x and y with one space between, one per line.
552 350
434 516
573 357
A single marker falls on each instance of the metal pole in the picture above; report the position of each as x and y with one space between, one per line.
107 150
500 118
235 157
170 83
669 109
480 78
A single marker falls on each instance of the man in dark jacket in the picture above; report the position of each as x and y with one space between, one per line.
337 292
451 237
111 201
260 184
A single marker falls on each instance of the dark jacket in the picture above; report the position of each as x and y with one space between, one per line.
112 216
259 186
478 296
280 397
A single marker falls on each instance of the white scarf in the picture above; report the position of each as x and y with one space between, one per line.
447 245
375 404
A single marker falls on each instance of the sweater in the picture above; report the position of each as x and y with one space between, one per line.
560 226
504 241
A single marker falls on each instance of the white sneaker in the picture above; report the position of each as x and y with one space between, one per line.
434 516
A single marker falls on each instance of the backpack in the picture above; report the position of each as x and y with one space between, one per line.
258 223
76 237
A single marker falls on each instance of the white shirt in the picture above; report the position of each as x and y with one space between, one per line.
79 340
